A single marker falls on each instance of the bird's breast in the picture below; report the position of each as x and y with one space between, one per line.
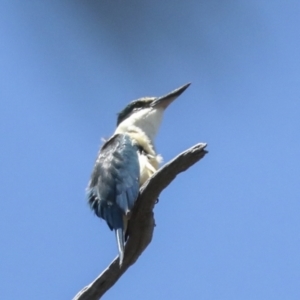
149 164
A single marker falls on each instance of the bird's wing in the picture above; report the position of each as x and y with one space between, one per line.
114 184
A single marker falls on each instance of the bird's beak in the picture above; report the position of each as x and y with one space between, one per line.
166 100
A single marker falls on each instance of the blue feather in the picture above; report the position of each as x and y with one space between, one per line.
114 184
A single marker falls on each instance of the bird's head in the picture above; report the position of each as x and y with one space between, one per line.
146 113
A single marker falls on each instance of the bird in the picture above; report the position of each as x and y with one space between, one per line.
126 161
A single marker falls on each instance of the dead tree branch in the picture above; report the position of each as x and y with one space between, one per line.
142 223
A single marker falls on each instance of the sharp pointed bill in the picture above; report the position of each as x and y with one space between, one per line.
166 100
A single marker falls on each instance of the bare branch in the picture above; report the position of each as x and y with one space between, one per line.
142 223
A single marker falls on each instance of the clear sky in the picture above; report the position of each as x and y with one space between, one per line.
229 227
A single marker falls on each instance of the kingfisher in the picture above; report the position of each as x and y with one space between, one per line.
125 162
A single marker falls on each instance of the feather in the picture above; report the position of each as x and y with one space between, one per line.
114 184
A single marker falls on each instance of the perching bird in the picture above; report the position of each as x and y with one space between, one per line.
126 161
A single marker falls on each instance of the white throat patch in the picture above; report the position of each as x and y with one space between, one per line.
147 119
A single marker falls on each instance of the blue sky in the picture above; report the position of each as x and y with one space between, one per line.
229 227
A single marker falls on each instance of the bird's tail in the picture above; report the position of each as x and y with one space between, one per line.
120 241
